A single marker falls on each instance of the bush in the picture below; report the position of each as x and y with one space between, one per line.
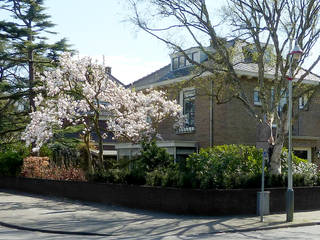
10 163
39 167
219 167
11 159
152 157
225 166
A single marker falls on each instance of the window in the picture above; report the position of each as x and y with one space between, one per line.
189 107
182 61
303 100
303 152
283 100
248 53
187 62
175 63
195 57
256 97
187 100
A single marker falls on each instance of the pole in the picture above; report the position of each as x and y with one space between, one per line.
290 193
265 155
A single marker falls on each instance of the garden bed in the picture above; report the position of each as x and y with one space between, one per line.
173 200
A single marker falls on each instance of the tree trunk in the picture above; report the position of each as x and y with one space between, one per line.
265 140
86 139
282 130
100 141
275 161
31 76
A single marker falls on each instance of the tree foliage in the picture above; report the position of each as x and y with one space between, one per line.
25 50
79 91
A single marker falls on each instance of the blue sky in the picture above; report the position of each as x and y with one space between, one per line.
97 28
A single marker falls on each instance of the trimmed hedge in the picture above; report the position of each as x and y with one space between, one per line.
219 167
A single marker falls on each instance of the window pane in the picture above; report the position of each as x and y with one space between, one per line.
187 62
175 63
182 61
189 107
256 97
195 57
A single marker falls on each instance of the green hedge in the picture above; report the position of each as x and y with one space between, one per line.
219 167
11 159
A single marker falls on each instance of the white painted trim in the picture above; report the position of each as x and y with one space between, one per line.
238 72
306 138
105 152
173 143
308 149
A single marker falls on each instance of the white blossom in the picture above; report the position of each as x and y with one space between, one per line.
79 90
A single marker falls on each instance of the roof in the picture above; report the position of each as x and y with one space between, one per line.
165 73
152 77
113 78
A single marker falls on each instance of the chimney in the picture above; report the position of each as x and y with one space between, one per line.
108 70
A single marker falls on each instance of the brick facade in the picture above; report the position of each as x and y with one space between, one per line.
233 125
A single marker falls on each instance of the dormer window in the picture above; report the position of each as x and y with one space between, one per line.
248 53
181 61
175 63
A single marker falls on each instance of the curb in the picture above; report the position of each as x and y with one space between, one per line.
13 226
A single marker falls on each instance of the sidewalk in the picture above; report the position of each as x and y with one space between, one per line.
55 215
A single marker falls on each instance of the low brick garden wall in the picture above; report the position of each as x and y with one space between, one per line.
173 200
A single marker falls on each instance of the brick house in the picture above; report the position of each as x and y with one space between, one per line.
209 123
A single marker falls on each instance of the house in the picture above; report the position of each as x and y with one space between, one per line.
208 123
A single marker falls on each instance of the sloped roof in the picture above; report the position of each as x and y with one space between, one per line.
113 78
152 77
247 69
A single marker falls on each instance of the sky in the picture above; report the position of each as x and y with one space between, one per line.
99 27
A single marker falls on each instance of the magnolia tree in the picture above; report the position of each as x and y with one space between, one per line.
79 91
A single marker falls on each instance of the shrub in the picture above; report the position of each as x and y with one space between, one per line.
11 158
10 163
225 166
219 167
35 167
152 157
39 167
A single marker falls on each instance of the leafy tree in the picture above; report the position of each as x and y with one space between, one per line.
25 51
265 28
80 92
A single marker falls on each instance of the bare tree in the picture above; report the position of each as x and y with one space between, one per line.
264 28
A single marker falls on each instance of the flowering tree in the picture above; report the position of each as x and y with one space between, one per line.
79 91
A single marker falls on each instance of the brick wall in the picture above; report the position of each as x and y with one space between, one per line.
174 200
234 125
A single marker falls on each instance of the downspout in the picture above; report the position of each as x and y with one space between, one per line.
211 114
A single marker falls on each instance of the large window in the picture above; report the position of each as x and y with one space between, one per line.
303 100
189 107
187 100
256 97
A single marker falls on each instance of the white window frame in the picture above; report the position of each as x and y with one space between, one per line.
181 98
308 149
256 91
303 101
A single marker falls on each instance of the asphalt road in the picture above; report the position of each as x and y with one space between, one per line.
34 217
